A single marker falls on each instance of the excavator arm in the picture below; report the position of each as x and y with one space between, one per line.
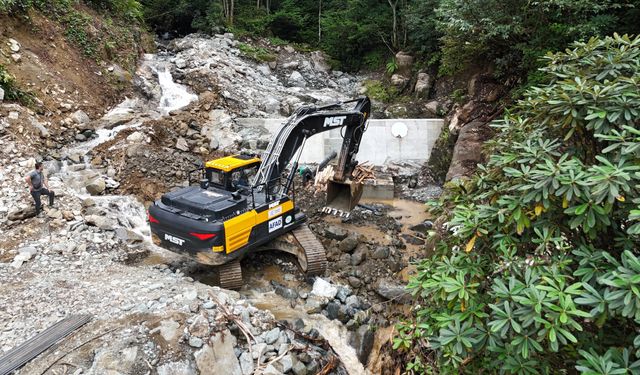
287 143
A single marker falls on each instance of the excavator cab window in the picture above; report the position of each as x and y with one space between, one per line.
243 177
215 177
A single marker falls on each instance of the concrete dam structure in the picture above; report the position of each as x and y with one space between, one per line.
385 141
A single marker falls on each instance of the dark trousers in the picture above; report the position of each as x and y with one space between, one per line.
36 197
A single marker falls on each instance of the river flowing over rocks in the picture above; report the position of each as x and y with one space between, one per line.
154 312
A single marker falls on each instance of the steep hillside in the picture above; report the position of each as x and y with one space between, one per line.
59 59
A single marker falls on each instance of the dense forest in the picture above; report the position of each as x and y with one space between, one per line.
446 34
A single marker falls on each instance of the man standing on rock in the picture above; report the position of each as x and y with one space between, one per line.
38 185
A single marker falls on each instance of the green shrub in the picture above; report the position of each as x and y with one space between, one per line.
380 91
392 66
256 53
11 89
537 268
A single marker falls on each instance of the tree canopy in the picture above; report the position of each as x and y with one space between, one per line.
449 34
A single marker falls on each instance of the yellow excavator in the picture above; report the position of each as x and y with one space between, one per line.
242 202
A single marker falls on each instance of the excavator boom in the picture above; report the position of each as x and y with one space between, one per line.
342 193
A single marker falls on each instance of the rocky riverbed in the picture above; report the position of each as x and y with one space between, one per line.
154 312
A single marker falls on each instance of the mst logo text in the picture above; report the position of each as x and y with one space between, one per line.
173 239
334 121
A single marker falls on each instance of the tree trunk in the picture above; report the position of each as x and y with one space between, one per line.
319 21
394 36
227 11
404 24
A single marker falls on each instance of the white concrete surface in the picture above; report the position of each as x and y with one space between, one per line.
413 141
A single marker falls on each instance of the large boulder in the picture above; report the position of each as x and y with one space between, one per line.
399 80
296 79
23 213
97 186
118 361
335 233
80 117
14 45
322 288
319 61
467 153
423 85
349 244
120 74
362 341
218 357
405 63
101 222
433 108
24 254
392 291
182 145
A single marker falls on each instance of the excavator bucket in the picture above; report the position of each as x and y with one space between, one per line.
342 197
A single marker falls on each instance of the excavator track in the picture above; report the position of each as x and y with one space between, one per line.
231 275
315 254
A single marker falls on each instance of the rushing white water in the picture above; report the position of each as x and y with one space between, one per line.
125 107
74 177
174 96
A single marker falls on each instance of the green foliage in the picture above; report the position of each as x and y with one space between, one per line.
256 53
76 32
459 96
379 91
7 5
11 89
422 27
109 40
392 66
128 9
275 41
349 32
515 33
374 59
540 271
441 155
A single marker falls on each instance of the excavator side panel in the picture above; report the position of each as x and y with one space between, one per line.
238 229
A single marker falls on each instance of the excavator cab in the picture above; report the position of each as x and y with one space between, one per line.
231 173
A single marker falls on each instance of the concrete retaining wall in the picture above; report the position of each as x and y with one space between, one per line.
414 140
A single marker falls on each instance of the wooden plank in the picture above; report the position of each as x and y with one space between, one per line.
18 356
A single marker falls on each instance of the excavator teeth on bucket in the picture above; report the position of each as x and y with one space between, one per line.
336 212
